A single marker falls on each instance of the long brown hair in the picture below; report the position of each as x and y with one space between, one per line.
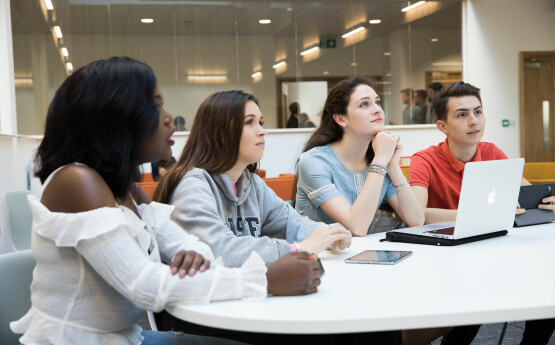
213 143
329 131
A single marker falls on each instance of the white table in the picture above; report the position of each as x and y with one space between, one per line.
500 279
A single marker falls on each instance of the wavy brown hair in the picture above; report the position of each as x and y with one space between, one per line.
213 143
329 131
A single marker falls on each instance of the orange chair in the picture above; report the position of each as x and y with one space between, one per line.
539 172
146 177
406 173
148 187
404 162
282 186
261 173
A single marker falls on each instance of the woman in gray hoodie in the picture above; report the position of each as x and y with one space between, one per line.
221 201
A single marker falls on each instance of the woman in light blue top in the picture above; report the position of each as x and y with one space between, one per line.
350 164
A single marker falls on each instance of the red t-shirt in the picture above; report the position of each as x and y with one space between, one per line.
441 173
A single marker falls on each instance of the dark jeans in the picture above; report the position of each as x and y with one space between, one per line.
169 338
536 332
166 322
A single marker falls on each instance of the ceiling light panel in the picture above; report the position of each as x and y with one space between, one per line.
353 31
279 64
48 4
58 31
413 6
309 50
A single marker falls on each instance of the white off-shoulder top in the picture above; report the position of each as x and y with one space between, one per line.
97 271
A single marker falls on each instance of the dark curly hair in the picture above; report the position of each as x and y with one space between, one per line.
99 116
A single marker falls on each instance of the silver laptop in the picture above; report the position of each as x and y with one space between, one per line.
487 204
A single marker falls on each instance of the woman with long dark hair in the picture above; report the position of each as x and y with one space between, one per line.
219 199
350 164
97 238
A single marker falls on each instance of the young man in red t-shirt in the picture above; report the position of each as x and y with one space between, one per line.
436 172
436 177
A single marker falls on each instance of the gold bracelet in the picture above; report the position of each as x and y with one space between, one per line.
377 169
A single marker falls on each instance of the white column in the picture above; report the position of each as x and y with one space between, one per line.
8 120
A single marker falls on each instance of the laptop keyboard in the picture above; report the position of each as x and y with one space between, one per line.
446 231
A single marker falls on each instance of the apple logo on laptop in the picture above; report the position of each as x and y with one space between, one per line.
491 197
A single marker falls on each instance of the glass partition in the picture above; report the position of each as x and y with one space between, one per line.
282 52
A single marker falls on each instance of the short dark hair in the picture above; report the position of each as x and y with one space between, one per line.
179 120
294 108
166 163
459 89
423 94
100 116
435 86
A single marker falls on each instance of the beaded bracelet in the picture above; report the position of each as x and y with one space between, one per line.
378 165
377 169
294 247
401 186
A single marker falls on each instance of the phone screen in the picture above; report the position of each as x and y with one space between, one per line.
379 257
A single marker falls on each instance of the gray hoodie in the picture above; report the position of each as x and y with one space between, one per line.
234 226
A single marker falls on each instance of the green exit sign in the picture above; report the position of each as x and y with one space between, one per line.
505 123
327 43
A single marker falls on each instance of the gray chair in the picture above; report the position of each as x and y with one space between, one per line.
16 274
18 218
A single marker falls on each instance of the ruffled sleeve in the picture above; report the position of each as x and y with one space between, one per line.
67 229
155 214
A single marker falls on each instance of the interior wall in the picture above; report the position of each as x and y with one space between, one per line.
8 120
284 147
492 44
173 59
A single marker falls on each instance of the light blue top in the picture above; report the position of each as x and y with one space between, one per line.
322 177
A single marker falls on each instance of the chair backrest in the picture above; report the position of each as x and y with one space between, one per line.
19 218
261 173
282 186
539 172
406 172
404 162
147 177
16 274
148 187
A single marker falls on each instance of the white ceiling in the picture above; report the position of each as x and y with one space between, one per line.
324 18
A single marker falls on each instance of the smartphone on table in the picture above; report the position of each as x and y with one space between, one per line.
383 257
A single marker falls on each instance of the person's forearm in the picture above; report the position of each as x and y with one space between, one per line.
396 175
438 215
410 209
362 211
